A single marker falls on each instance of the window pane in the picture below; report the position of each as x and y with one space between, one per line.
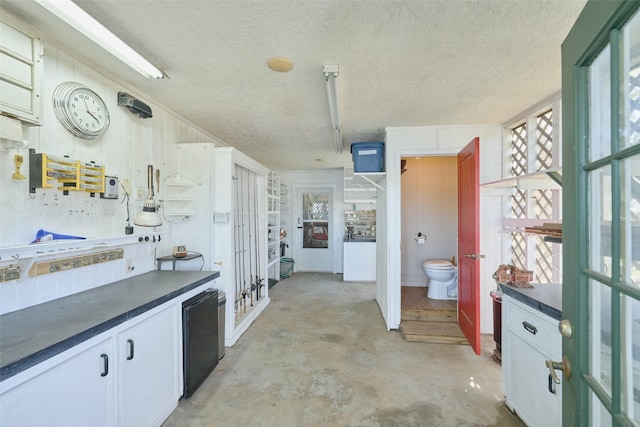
600 417
316 235
519 150
600 333
600 220
631 357
631 83
544 137
630 221
315 206
600 107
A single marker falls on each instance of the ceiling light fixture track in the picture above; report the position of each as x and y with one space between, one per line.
331 74
80 20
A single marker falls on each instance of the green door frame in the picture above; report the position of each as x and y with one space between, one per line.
589 35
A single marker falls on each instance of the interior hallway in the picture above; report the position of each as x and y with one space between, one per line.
320 355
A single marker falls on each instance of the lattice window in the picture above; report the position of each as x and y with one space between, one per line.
533 203
519 150
543 204
544 261
320 210
519 198
519 204
519 250
544 141
316 206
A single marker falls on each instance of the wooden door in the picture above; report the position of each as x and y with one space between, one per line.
469 242
601 222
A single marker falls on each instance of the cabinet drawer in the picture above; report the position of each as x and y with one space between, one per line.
535 328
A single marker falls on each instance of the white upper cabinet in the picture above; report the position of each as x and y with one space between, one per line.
21 57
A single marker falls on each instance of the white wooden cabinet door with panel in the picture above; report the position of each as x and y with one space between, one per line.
76 392
130 377
529 339
148 376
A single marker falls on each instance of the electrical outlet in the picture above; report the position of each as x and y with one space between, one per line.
126 185
139 192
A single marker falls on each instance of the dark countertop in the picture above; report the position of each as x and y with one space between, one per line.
371 239
34 334
544 297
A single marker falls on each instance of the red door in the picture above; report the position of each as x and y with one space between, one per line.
469 242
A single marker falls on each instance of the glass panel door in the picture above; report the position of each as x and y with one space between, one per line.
314 249
315 220
601 294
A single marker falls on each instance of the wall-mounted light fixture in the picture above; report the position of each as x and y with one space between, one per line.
331 73
77 18
149 216
134 105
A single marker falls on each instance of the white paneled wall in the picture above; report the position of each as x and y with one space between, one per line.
130 144
429 206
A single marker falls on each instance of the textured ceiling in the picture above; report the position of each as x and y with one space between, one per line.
403 63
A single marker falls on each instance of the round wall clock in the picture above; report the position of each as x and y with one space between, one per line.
80 110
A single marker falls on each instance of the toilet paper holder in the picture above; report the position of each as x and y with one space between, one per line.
421 239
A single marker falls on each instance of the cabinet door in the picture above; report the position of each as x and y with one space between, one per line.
528 340
78 392
535 398
149 374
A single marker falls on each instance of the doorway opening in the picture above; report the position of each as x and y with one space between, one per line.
314 239
429 231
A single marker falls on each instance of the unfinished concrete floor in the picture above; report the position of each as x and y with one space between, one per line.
320 355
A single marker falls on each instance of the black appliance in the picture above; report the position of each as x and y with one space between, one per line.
199 338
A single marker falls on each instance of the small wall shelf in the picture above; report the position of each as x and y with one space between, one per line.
544 180
179 198
362 187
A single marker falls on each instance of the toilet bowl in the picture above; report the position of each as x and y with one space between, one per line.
443 279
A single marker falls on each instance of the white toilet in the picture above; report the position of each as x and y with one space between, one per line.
443 279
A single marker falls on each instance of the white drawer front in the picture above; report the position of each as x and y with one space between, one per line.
536 328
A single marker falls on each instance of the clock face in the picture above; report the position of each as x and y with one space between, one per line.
80 110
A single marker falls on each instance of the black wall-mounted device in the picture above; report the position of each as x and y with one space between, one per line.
134 105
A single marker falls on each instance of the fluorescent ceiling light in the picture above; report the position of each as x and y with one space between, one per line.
73 15
331 73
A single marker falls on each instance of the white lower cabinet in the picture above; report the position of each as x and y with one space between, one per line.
148 376
529 338
359 262
130 377
76 392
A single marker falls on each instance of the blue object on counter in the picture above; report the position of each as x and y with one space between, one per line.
46 236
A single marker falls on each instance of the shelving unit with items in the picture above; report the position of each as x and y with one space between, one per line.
284 218
273 228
